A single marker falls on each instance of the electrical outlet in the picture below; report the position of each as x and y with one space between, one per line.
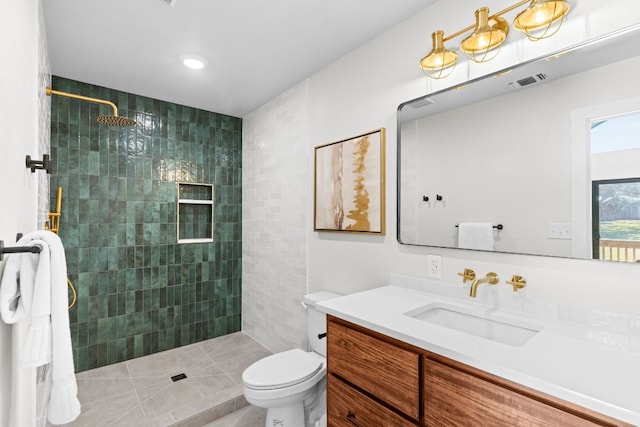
434 263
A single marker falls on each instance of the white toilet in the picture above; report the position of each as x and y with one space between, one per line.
292 384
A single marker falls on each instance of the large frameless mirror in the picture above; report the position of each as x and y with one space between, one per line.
547 152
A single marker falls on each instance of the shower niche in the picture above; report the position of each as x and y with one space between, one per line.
195 213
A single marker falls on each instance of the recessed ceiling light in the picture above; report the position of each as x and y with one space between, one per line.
193 61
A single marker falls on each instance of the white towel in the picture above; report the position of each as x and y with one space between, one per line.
36 348
48 337
16 292
25 295
475 235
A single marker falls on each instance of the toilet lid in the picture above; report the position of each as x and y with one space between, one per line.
281 370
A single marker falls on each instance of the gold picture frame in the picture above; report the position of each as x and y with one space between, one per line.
349 185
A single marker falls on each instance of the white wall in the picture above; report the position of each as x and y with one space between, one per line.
361 92
24 129
348 97
363 89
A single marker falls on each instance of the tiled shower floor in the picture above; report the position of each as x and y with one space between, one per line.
140 392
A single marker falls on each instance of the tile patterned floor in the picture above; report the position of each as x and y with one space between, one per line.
140 392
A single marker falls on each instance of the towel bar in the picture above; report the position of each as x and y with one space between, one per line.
17 249
499 226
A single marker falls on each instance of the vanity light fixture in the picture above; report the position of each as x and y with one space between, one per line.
484 43
539 20
439 59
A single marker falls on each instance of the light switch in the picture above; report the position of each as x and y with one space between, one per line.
559 230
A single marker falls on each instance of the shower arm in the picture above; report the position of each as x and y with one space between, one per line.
83 98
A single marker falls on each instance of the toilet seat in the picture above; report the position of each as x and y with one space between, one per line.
281 370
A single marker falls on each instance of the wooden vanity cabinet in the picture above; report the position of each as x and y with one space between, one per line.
386 371
374 380
348 407
455 394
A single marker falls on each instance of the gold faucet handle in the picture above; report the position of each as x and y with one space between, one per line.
517 282
493 278
467 274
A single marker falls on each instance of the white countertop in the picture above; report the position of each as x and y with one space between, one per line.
578 363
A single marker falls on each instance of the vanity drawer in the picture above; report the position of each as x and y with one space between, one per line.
458 395
346 407
386 371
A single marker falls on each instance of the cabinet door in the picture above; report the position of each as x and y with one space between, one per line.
388 372
347 407
456 398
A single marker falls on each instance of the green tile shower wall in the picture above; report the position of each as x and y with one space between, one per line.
138 291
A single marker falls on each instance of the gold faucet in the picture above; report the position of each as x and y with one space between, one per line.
517 282
491 278
467 274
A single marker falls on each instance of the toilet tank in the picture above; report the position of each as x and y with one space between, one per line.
317 321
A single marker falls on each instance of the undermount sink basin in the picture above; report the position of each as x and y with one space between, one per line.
477 323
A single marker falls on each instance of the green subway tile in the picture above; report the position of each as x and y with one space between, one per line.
171 317
138 345
146 343
130 273
184 334
155 299
116 350
139 281
82 337
147 302
102 354
162 319
197 332
130 302
112 331
155 277
93 308
119 216
103 307
92 332
162 340
130 353
103 330
93 168
236 323
121 303
112 305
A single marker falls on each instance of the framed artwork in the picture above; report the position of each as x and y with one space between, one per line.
350 184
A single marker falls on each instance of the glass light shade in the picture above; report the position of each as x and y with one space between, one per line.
486 37
537 19
439 59
192 61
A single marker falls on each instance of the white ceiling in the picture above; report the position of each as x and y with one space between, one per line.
255 49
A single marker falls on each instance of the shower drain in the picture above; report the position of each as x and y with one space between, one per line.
178 377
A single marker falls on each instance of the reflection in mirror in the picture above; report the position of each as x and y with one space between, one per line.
615 144
515 149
